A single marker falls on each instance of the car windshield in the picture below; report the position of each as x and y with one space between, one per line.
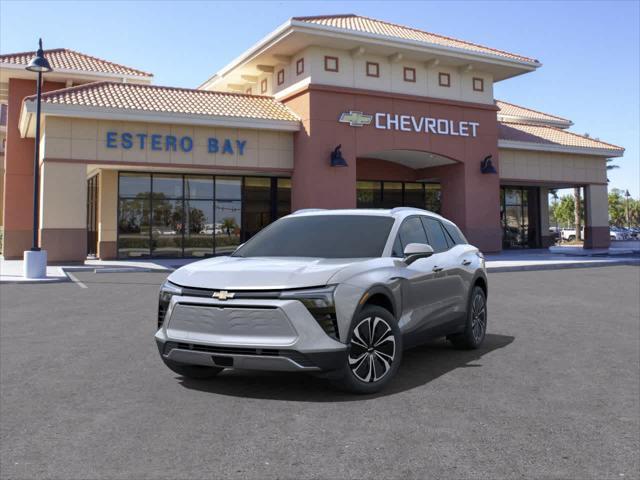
323 236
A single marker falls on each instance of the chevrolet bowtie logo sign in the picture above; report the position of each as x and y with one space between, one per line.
355 119
223 295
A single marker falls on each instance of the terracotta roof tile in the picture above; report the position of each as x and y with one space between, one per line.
65 59
152 98
519 132
370 25
512 110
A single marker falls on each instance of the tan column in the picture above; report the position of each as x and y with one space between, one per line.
596 231
546 239
107 214
63 207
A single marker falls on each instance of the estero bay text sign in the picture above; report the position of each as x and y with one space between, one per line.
172 143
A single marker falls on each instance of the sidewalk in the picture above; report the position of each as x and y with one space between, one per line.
506 261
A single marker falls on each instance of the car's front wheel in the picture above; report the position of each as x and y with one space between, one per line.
192 371
374 351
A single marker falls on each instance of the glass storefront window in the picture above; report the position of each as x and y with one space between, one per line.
228 220
369 194
392 194
257 205
135 185
134 227
414 195
200 187
398 194
519 219
200 227
194 215
283 197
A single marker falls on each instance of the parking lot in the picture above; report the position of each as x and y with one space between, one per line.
554 393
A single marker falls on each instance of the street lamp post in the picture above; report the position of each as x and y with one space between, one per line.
35 260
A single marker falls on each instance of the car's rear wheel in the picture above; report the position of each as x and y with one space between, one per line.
192 371
476 326
374 351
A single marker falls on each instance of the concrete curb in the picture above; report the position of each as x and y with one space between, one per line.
563 266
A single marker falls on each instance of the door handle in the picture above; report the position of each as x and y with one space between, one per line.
466 262
437 269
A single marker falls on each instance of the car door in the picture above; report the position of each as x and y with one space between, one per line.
449 267
424 287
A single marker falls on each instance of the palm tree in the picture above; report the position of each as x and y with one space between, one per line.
611 167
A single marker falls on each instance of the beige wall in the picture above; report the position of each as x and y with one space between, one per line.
551 167
352 73
83 139
597 206
63 196
107 206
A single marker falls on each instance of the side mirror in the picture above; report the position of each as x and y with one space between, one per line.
416 251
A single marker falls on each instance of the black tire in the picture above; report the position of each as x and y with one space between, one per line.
571 238
192 371
368 358
476 326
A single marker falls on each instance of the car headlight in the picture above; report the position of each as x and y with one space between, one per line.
167 290
321 305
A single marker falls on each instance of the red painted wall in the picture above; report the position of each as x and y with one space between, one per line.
18 178
469 198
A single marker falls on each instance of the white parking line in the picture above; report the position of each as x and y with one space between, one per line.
75 280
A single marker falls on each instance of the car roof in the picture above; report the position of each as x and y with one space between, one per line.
398 212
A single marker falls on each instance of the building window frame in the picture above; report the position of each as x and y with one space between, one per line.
263 86
328 61
409 74
280 76
444 79
478 84
372 69
300 66
248 91
276 200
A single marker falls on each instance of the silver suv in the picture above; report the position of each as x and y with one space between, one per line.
337 292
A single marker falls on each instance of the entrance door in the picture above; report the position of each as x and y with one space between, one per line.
92 216
520 217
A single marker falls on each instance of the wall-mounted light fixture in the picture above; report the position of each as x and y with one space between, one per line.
337 160
486 166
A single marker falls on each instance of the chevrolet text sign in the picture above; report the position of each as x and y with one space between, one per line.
411 123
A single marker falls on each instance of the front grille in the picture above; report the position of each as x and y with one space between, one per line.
162 312
208 293
294 355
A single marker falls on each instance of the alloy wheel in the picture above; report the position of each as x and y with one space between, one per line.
478 317
373 349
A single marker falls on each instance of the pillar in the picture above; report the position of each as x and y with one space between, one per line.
107 214
18 174
546 238
596 232
63 211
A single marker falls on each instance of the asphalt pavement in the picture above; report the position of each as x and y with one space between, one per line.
554 393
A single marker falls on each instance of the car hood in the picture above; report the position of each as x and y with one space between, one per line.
258 273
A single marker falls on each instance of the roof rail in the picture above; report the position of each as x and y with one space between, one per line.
402 209
305 210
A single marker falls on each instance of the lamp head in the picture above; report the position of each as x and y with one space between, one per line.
39 62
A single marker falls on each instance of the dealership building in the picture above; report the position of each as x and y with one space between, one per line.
335 111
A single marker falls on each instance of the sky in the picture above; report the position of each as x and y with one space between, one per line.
590 51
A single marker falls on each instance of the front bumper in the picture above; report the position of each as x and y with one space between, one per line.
278 335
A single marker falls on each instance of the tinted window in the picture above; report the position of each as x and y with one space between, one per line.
437 238
397 250
324 236
455 233
411 231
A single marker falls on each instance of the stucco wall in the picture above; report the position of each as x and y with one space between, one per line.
85 139
551 167
352 73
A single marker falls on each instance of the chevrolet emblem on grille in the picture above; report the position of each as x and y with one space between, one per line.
223 295
355 119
